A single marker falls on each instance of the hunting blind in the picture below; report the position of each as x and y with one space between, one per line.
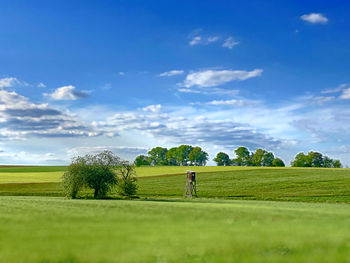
191 189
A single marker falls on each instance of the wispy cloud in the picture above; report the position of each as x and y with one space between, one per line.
233 102
203 40
315 18
210 91
346 94
67 93
171 73
152 108
11 82
212 78
41 85
337 89
230 43
323 99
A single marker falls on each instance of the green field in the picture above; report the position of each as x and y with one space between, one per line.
242 215
40 174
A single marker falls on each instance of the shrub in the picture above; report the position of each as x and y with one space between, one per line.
126 179
127 187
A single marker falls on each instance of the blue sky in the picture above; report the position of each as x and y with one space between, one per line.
83 76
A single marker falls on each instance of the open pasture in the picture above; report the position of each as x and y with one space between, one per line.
40 174
49 229
296 184
161 226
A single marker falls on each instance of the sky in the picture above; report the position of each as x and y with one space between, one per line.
80 77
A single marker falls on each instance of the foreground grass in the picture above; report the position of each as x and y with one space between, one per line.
42 229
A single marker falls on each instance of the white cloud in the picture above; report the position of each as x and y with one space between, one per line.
212 39
233 102
171 73
210 91
346 94
323 99
195 41
10 82
67 93
121 73
315 18
178 127
230 43
337 89
201 40
20 118
212 78
152 108
41 85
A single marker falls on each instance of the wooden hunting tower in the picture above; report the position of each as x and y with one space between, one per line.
191 189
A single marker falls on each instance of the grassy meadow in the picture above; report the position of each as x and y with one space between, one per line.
41 174
238 217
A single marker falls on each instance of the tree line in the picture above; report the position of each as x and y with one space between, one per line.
315 159
185 155
177 156
244 157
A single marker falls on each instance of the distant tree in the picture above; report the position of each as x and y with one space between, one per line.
91 171
142 160
222 159
127 179
258 157
243 157
327 162
157 156
337 164
182 154
171 156
268 159
278 162
301 160
315 159
197 156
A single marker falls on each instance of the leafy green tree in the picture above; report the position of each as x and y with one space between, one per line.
157 156
315 159
142 160
258 157
197 156
327 162
337 164
73 179
91 171
301 160
268 159
243 157
222 159
277 162
171 156
182 154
